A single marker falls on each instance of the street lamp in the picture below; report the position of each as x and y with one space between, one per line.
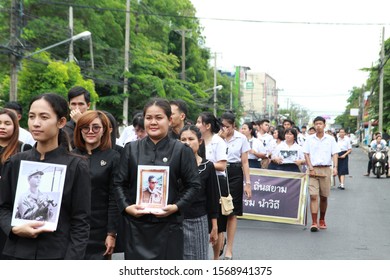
82 35
14 72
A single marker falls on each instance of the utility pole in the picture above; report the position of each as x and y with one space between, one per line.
215 84
125 80
183 52
14 59
231 95
70 55
380 123
183 55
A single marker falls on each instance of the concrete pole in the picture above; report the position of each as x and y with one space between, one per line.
125 80
215 84
71 55
380 122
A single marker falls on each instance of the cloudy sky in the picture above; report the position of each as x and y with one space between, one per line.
313 49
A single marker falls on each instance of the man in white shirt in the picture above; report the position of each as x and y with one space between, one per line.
24 135
265 138
321 151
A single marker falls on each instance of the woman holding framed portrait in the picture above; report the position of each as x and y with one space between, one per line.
156 234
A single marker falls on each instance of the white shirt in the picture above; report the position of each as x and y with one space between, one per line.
256 145
321 150
237 145
344 144
127 135
265 138
216 150
289 154
301 139
26 137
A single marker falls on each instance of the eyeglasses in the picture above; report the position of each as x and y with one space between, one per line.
94 128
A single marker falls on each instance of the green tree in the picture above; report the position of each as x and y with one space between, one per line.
51 76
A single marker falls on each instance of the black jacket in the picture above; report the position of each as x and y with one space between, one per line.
104 211
167 152
70 239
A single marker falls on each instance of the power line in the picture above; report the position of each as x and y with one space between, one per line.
222 19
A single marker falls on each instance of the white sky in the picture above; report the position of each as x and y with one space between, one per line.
315 65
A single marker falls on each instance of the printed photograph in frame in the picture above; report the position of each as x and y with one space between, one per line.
39 193
152 187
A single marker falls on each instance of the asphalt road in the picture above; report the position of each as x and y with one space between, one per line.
358 220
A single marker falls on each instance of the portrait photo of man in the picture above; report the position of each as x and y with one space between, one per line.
153 191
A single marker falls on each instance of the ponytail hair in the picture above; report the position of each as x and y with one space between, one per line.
209 118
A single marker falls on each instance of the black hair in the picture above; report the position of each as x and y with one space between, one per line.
14 105
159 102
293 132
76 91
181 104
209 118
138 120
114 126
296 128
262 121
289 121
151 177
250 126
319 118
229 117
193 128
60 108
280 130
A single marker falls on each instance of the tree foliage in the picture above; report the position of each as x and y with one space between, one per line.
156 28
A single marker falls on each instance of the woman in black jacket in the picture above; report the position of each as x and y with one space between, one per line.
92 139
46 118
156 235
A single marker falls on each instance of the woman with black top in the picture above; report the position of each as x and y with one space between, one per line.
201 218
238 177
46 118
156 235
92 140
9 145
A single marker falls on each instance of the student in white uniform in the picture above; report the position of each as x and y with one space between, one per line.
239 181
321 151
257 150
344 143
215 150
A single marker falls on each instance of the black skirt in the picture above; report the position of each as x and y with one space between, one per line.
342 167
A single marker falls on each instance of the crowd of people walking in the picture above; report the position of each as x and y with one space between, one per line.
106 202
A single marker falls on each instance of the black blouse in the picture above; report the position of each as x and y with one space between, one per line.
167 152
207 200
70 239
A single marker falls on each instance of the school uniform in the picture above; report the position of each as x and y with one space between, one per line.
104 211
149 237
69 241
